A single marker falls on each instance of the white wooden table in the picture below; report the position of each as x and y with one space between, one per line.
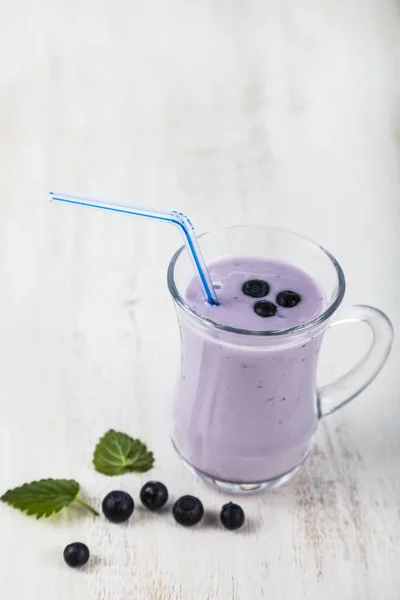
280 113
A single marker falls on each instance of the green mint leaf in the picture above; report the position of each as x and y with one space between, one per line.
118 453
45 497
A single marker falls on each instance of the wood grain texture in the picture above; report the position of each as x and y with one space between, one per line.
280 113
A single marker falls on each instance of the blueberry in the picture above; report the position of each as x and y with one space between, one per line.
256 288
288 299
76 554
188 511
264 308
118 506
232 516
153 495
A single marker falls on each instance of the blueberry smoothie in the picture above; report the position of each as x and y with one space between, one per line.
246 409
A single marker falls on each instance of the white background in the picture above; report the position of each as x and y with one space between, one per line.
276 112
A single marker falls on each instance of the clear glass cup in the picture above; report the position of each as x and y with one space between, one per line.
220 429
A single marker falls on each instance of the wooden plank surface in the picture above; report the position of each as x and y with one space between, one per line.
281 113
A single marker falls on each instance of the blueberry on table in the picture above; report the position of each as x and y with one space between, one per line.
256 288
76 554
288 299
188 511
118 506
153 495
232 516
264 308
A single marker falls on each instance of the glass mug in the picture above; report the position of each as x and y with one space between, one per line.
224 427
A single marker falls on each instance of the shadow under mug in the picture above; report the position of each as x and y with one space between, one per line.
249 429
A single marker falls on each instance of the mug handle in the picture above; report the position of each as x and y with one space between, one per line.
340 392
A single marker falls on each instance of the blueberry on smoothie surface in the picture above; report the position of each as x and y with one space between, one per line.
256 288
264 308
288 299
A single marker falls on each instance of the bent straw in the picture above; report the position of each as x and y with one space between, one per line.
170 216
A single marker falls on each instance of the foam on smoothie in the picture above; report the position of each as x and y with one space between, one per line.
237 309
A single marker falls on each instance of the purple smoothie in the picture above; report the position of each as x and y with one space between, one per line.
246 410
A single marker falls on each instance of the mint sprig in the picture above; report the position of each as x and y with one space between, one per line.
118 453
45 497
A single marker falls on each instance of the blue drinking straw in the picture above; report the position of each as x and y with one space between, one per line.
170 216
